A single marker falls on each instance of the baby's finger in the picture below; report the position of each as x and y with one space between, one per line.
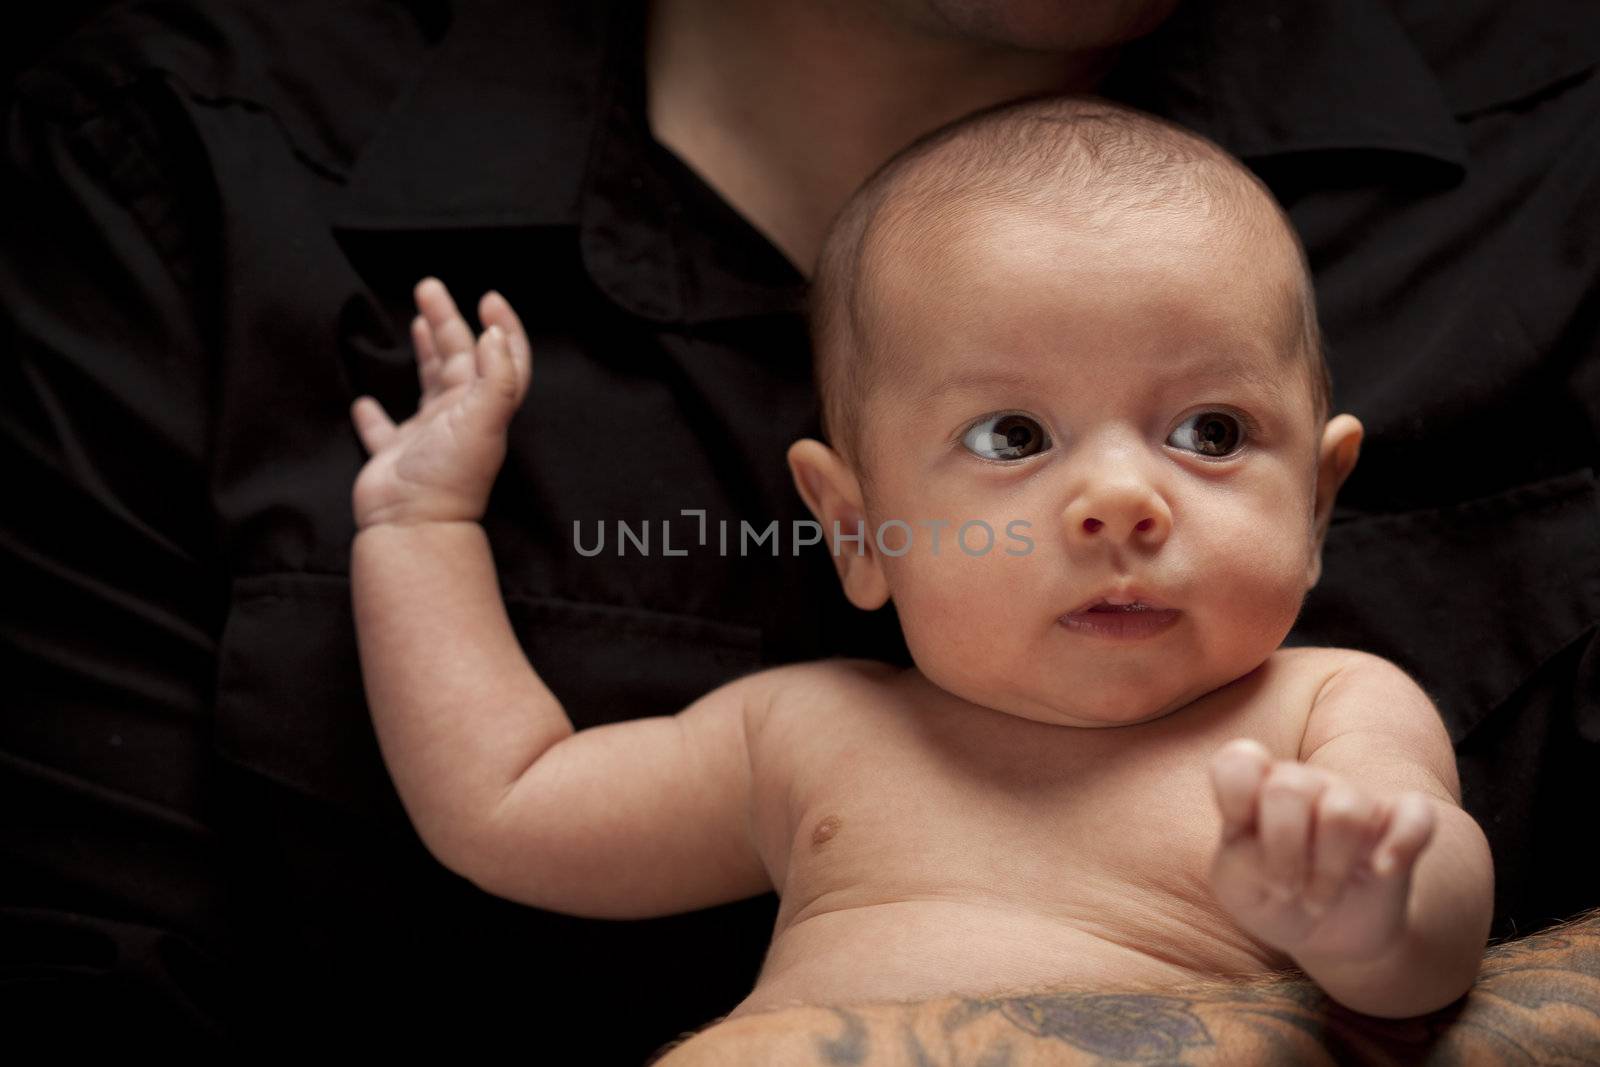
496 369
496 310
1288 796
1341 836
427 356
1235 875
373 426
1237 769
1410 828
452 337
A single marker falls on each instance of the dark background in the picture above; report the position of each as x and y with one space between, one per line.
31 29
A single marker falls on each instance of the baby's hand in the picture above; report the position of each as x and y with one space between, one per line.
1311 863
439 465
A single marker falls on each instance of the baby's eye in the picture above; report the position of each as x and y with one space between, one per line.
1006 437
1209 433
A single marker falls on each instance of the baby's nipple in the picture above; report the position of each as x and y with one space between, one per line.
824 831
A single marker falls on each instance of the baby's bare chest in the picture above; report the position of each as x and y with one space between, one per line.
1059 824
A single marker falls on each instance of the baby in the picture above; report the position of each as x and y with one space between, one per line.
1093 331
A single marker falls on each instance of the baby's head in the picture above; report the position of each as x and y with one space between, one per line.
1093 334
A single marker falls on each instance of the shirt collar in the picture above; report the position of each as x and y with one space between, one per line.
497 129
1275 78
489 138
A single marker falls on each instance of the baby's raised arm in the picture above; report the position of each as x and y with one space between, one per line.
626 820
1357 859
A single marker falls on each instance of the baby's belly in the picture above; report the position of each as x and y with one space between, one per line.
922 949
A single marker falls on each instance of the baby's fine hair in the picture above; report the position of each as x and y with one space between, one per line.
1088 158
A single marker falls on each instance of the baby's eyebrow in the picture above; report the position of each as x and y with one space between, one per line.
969 379
1194 372
1234 372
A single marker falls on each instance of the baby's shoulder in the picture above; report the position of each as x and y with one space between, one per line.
1387 713
1316 663
809 692
1292 679
830 679
1324 664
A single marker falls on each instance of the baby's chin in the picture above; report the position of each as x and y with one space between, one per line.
1097 717
1082 707
1084 704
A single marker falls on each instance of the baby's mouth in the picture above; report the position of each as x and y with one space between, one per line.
1120 621
1127 613
1131 600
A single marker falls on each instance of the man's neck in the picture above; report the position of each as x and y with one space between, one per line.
785 108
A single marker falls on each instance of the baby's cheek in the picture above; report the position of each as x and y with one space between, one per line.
951 607
930 594
1265 585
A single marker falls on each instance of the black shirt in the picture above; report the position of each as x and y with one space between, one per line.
214 214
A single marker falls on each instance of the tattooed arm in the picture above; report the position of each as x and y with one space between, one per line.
1536 1000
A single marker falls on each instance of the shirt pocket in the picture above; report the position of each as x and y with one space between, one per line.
291 705
1471 599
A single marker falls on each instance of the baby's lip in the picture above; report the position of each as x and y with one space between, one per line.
1127 597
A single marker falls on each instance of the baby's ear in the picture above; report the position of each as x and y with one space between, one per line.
1336 458
830 489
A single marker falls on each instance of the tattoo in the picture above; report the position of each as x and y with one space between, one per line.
849 1049
919 1055
1128 1026
1528 992
1536 1000
998 1054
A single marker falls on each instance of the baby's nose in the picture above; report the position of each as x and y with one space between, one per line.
1119 513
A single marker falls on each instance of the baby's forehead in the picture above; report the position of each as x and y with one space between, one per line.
1078 159
1185 266
928 226
1017 291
